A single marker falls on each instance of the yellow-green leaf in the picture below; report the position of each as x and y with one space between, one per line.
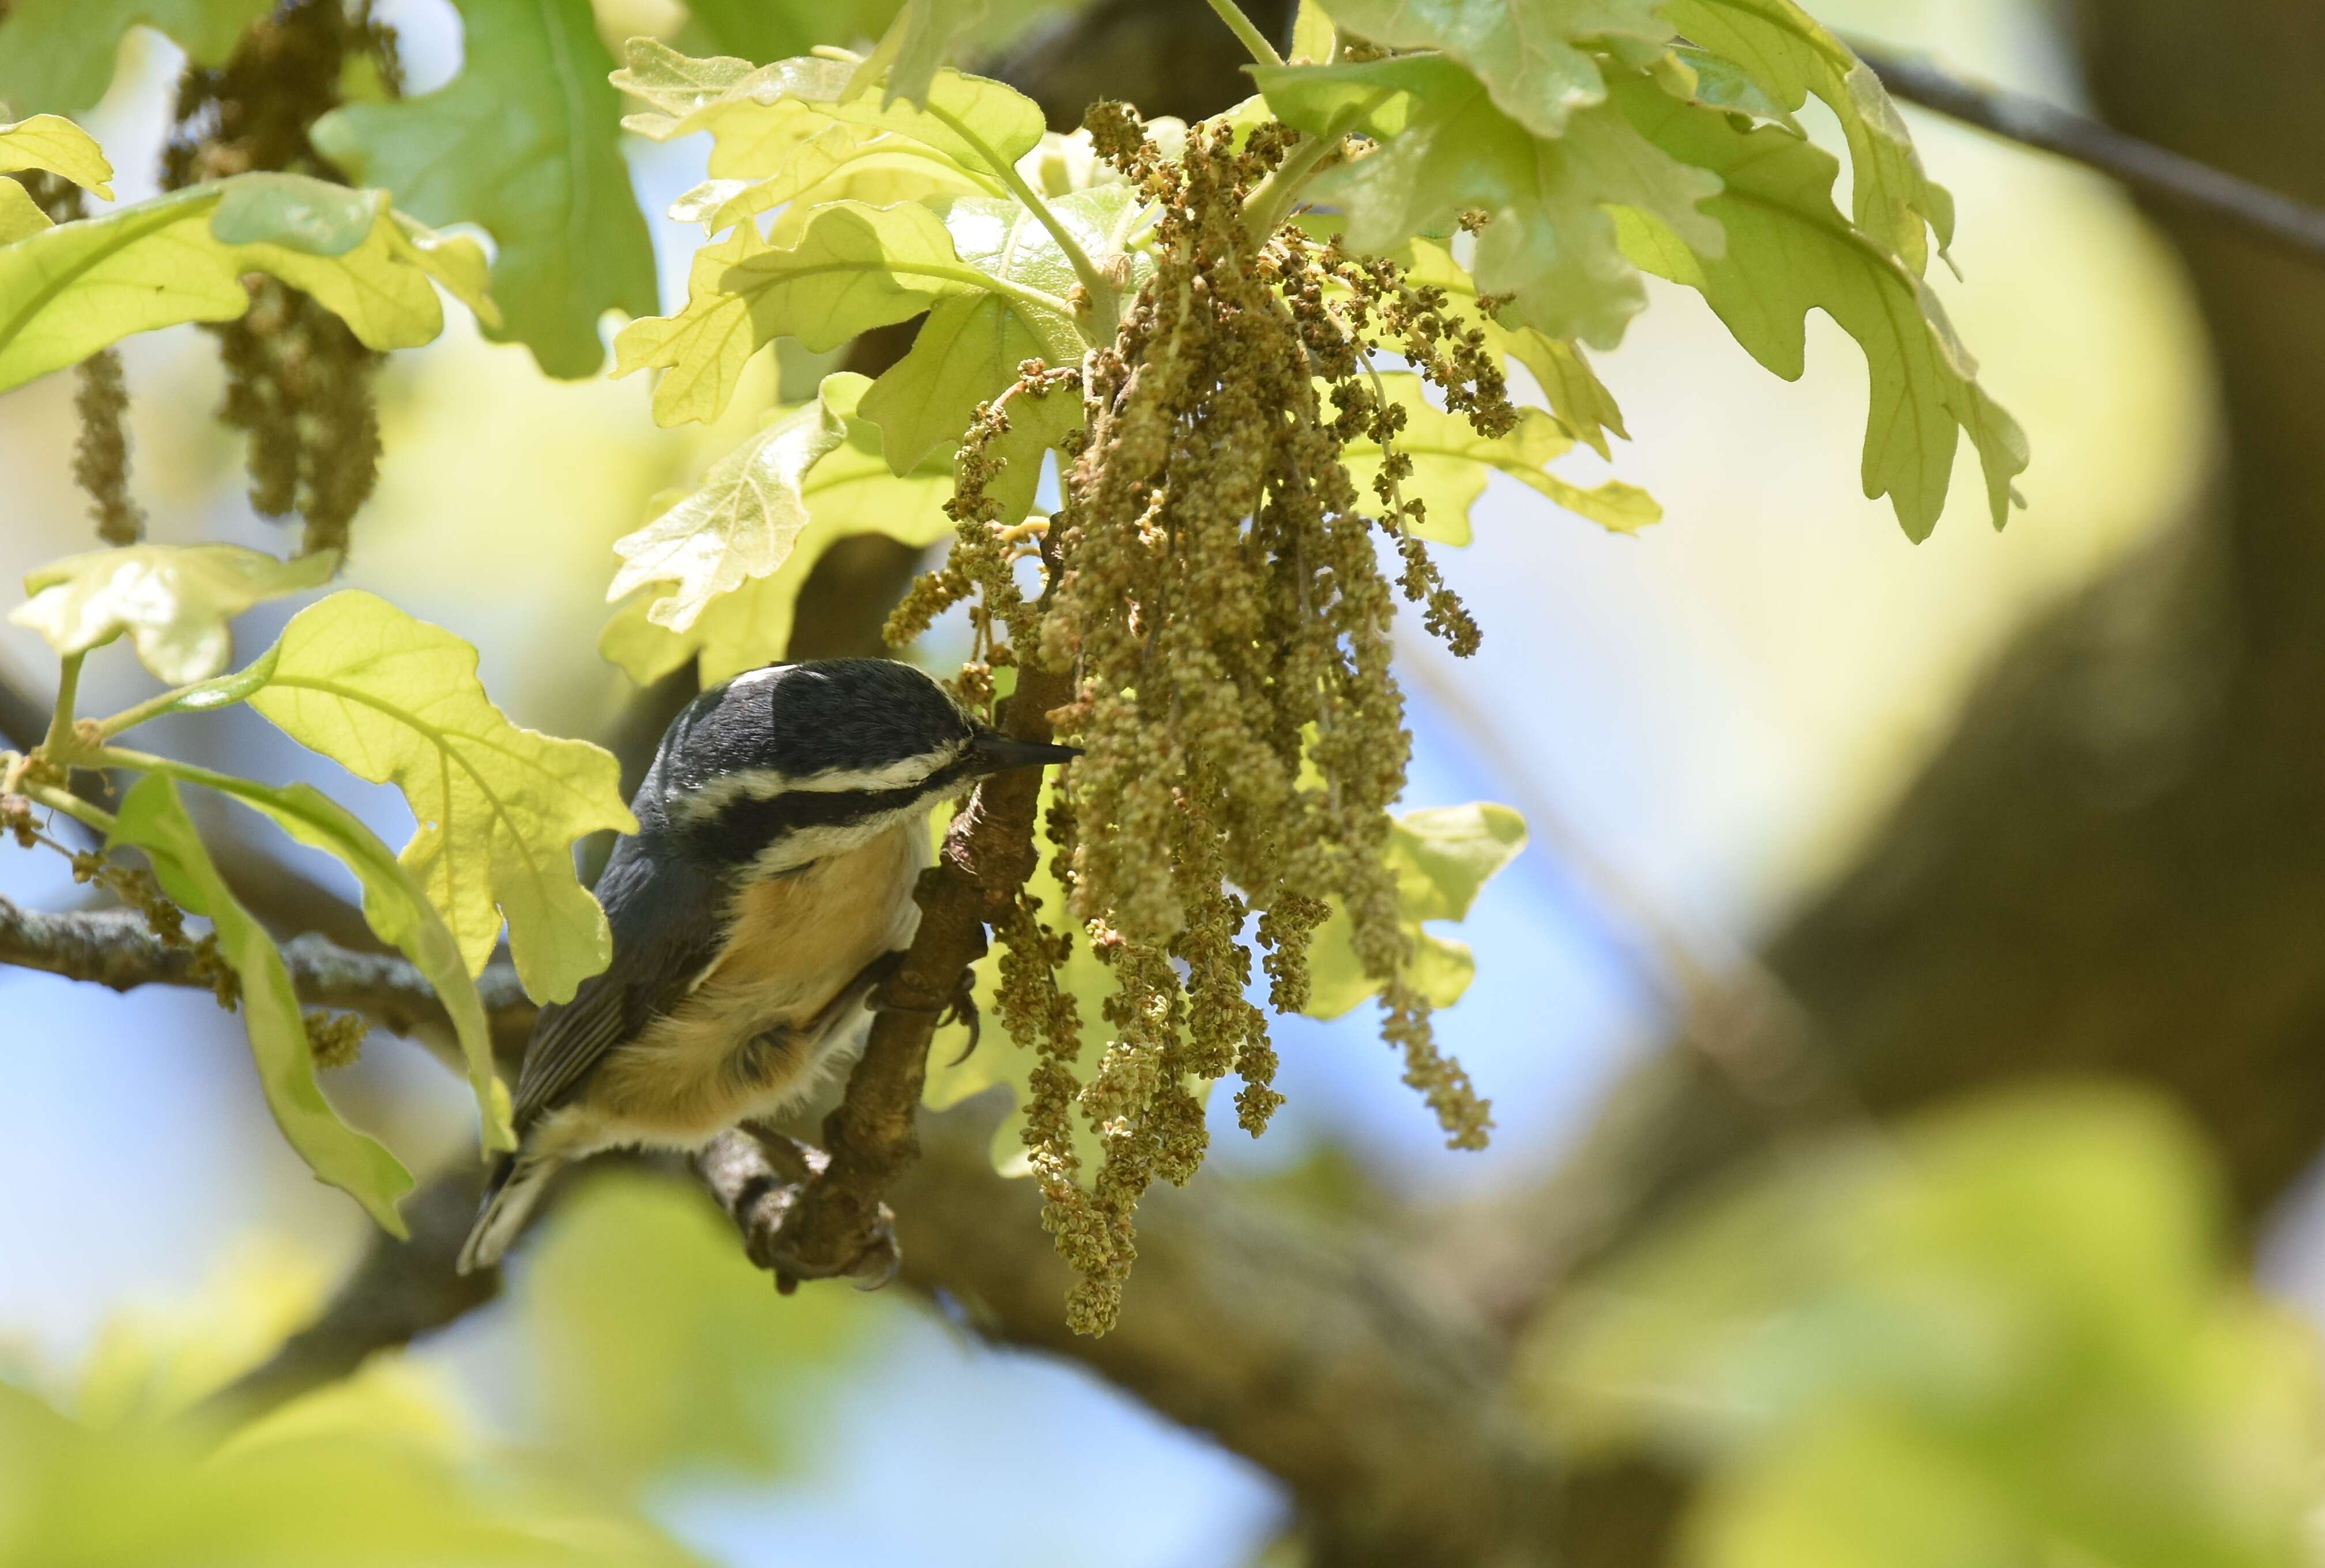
67 292
848 491
174 601
841 163
757 114
971 345
1549 242
1791 251
58 54
1578 398
396 908
1451 460
153 820
854 268
1784 48
395 700
52 142
524 142
1441 856
1535 56
740 524
905 63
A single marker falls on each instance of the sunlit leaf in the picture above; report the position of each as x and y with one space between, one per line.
915 45
1451 461
1784 50
1533 56
841 163
1549 242
854 268
58 54
525 143
972 345
1789 252
1442 856
52 142
173 601
397 909
67 292
848 491
1577 398
152 818
395 700
740 523
757 113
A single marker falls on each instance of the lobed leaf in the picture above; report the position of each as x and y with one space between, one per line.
1577 398
740 524
1451 461
1449 150
395 700
841 162
54 144
1442 856
1533 56
1784 48
153 820
67 292
58 54
915 45
173 601
854 268
971 346
396 908
756 114
1789 252
848 489
523 143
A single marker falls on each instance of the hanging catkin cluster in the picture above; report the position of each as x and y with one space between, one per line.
1215 586
297 380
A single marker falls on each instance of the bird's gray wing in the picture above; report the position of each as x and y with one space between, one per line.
669 922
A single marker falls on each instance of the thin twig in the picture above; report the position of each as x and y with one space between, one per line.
2295 227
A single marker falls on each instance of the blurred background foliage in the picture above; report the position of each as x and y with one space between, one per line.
2019 1329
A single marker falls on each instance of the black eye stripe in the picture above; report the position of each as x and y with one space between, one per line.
737 832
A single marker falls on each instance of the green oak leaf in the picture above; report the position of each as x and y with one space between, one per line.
739 523
67 292
1783 48
971 346
395 700
525 143
914 46
54 144
398 912
779 29
1533 55
20 215
58 54
1442 856
173 601
1451 461
854 268
756 114
1789 252
1578 398
841 163
1448 149
848 490
153 820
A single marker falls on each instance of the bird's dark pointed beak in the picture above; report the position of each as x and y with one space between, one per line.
995 753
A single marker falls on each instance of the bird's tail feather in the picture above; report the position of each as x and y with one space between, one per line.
516 1185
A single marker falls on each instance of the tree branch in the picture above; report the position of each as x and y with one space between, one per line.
2293 226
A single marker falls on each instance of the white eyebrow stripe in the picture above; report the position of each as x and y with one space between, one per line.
716 794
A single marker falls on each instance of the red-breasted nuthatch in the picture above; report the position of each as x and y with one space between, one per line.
780 831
